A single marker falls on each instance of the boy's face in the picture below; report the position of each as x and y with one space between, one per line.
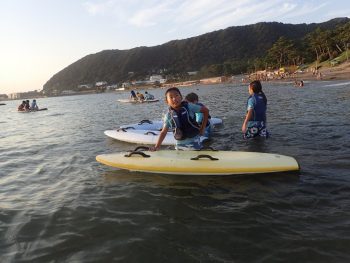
173 98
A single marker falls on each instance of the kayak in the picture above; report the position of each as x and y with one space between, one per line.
207 162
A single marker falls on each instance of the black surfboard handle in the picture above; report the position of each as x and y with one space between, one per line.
150 132
204 156
145 121
125 129
137 153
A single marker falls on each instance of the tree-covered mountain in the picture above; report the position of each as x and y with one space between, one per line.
238 45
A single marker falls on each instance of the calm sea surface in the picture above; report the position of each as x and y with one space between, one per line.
57 204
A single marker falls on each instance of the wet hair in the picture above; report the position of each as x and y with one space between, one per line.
173 89
23 101
256 86
191 97
146 92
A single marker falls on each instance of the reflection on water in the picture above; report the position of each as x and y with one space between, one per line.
58 204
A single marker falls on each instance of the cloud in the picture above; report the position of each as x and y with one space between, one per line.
149 16
200 16
97 9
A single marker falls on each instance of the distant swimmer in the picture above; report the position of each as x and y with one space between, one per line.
299 84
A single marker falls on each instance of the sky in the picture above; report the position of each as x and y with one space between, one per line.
38 38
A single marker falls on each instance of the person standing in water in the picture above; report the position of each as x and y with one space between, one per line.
181 119
254 123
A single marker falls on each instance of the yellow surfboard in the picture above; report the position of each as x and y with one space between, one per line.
199 162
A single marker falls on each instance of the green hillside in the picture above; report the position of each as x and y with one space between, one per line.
238 47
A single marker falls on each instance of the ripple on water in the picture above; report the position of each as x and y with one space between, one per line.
58 204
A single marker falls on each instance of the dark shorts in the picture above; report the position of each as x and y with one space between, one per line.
256 129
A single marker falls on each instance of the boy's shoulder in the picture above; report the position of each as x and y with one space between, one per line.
194 107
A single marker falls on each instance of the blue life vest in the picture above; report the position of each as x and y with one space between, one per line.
259 111
183 123
199 116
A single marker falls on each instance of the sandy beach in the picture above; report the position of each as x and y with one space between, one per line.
340 72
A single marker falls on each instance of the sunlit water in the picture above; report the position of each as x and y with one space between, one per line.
57 204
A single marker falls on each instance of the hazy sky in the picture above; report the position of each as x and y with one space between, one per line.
41 37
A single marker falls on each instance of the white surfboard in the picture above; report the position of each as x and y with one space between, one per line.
199 162
158 124
137 101
148 137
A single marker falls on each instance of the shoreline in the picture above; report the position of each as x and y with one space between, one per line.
340 72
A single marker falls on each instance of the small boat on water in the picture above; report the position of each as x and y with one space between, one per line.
2 104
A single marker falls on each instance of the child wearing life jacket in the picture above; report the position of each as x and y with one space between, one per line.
181 119
255 121
193 98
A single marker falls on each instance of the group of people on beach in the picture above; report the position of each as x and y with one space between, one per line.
138 96
189 119
26 106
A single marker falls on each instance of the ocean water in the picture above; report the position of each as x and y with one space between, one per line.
57 204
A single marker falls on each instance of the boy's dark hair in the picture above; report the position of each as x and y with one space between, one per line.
172 89
191 97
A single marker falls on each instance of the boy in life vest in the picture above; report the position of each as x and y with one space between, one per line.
181 119
193 98
255 120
